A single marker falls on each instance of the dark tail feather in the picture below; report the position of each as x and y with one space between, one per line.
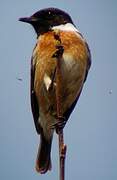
43 162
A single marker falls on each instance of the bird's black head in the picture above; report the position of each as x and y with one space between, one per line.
45 19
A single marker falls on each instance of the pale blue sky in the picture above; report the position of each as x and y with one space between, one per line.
90 134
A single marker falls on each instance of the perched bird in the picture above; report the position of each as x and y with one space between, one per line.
75 64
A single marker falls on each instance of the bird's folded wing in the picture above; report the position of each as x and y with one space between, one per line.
34 103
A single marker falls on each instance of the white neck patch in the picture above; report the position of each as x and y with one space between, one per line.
66 27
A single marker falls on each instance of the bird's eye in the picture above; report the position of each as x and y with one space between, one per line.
50 15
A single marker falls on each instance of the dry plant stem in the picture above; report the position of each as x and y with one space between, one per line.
62 148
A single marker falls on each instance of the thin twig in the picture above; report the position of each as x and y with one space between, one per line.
62 147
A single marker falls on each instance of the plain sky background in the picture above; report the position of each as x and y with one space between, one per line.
90 134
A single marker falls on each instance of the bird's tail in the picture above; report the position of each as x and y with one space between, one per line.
43 162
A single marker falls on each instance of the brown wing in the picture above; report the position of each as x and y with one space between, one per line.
34 103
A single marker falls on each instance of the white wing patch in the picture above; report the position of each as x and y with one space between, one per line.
47 81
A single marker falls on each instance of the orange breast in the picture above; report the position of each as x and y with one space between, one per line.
74 67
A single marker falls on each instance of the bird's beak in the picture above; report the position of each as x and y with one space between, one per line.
26 19
29 20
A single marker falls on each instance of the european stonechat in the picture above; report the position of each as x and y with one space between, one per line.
76 61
